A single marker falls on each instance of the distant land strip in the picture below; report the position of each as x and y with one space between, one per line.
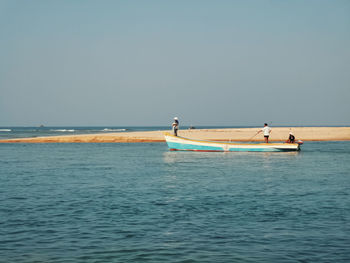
227 134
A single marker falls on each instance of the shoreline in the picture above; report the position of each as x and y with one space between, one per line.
225 134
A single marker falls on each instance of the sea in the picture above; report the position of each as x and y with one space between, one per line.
140 202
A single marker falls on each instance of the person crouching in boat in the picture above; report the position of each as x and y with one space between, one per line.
291 138
175 125
266 130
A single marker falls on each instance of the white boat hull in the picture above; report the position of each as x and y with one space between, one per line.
177 143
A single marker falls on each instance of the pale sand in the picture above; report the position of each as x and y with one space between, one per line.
243 134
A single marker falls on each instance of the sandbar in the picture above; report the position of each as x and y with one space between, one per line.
227 134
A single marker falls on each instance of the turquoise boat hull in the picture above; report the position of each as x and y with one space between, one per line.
177 143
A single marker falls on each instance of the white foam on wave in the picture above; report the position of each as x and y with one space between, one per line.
5 130
116 130
63 130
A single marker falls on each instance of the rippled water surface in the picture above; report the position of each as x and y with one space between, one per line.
142 203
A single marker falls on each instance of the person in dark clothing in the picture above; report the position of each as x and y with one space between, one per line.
291 138
175 125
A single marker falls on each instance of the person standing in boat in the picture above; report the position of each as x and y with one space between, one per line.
266 130
175 125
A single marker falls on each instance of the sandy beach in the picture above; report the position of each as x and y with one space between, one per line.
237 134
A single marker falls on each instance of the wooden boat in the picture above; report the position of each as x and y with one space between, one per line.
177 143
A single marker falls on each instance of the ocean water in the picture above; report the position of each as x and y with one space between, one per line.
25 132
142 203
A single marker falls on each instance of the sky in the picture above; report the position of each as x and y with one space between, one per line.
141 63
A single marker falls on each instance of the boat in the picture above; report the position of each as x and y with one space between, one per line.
177 143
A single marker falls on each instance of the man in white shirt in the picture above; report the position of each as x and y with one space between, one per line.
266 130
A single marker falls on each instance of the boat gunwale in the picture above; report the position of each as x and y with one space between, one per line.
231 143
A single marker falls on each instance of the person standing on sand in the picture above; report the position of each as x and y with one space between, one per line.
175 125
266 130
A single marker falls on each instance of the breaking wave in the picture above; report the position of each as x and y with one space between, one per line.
63 130
115 130
5 130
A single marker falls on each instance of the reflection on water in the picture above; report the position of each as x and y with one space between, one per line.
190 156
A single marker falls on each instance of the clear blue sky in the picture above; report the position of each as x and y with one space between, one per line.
144 62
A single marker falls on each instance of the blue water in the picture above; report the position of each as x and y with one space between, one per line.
142 203
25 132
